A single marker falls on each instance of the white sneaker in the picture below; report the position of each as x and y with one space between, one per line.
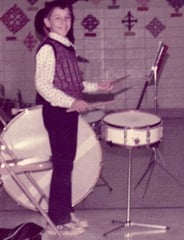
70 229
67 229
79 222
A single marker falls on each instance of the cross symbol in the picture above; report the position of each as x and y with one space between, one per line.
129 20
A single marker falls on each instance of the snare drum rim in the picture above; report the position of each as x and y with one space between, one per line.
133 127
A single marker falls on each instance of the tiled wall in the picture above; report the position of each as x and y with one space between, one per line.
113 51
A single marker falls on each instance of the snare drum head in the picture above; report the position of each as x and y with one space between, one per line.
28 139
132 119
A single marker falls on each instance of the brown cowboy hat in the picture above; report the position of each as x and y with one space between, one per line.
40 28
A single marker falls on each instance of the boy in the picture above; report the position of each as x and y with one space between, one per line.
59 87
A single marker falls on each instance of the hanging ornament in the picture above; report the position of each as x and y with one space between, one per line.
30 41
114 4
90 23
14 19
142 5
155 27
176 4
129 21
32 3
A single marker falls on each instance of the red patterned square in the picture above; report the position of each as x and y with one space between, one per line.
14 19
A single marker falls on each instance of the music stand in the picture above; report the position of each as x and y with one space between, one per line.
154 74
156 70
153 77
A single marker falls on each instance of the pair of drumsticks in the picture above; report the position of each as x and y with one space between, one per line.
98 104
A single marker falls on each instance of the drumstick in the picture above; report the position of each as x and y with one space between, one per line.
97 104
119 79
94 105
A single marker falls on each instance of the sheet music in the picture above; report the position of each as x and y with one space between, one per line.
160 54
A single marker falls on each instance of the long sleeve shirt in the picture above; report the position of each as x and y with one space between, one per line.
45 69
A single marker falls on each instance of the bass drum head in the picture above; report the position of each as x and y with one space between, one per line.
26 136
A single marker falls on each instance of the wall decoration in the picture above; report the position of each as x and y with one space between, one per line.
30 41
176 4
14 19
155 27
32 3
90 23
114 5
129 21
142 5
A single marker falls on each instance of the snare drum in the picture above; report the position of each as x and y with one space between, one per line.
132 128
27 138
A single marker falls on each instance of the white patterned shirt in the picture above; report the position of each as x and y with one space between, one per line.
44 76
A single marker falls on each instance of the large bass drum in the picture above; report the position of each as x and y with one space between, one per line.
26 136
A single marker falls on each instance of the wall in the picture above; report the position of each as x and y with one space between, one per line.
114 51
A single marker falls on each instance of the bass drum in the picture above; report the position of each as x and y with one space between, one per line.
26 136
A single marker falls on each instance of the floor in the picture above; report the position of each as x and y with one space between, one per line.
158 201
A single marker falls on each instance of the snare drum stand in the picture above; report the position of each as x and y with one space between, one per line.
104 181
128 222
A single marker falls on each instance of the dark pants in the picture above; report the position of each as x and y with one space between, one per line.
62 130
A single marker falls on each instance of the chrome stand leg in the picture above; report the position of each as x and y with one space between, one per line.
128 222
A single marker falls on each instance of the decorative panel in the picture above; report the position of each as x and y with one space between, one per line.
30 41
14 19
176 4
114 4
129 21
155 27
142 5
90 23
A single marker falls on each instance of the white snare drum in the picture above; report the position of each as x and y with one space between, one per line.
28 139
132 128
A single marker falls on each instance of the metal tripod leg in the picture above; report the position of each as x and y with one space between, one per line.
155 160
105 183
128 222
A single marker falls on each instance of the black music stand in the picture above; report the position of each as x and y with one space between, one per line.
155 160
153 77
154 74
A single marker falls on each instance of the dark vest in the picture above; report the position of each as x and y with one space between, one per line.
67 77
